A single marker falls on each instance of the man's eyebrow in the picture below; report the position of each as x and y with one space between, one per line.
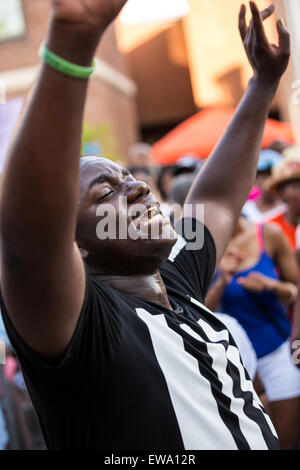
105 177
99 179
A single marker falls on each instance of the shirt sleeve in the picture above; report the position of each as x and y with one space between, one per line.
193 257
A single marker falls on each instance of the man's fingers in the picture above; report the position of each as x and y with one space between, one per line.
267 12
284 37
258 22
257 18
242 22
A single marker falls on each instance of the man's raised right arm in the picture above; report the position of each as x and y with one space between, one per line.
42 274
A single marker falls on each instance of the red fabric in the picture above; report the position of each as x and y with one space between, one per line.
288 229
199 134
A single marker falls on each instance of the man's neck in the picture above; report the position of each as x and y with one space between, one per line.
147 287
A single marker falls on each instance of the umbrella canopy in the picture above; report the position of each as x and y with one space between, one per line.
199 134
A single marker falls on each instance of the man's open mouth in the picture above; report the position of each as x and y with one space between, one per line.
149 216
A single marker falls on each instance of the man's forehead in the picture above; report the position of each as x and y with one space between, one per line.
91 167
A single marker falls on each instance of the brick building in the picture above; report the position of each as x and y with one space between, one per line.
154 74
111 105
197 60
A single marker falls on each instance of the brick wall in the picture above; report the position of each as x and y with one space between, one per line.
104 104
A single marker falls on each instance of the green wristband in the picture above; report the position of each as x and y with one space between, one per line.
64 66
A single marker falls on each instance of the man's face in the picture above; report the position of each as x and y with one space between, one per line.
120 228
290 193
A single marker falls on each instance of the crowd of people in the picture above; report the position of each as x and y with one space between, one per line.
141 341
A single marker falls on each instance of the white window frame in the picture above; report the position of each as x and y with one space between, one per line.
12 16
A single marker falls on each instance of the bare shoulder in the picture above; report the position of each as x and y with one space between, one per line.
275 239
273 231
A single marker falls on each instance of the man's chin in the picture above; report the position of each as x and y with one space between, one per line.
133 257
159 248
152 255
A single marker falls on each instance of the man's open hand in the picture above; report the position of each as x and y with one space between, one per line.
268 61
86 13
76 27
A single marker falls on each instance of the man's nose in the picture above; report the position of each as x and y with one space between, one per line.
136 190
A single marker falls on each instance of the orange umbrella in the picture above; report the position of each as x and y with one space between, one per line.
199 134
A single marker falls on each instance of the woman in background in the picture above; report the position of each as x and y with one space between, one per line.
256 286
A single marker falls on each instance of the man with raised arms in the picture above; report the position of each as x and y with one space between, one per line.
116 346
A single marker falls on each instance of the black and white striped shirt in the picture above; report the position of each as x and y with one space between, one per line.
139 376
